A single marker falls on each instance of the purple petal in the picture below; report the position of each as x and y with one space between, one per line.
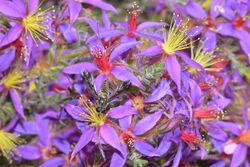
218 164
239 155
152 51
17 102
62 145
11 35
125 122
79 68
43 130
162 90
195 10
231 126
100 4
105 34
85 138
164 146
242 9
106 20
33 4
174 69
195 31
110 136
195 92
189 61
216 132
69 33
121 49
9 8
55 162
121 111
228 13
99 81
28 127
177 158
149 35
94 25
248 23
226 29
147 123
21 6
12 123
29 152
123 74
145 148
149 24
210 41
245 46
74 111
222 102
117 160
214 12
6 60
74 10
29 43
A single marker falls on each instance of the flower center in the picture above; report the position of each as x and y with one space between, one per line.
127 139
191 139
208 113
177 38
91 115
101 59
210 23
8 142
206 59
206 85
37 24
239 22
244 137
15 78
138 103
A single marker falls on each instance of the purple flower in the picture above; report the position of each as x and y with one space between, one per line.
96 126
11 83
30 21
176 40
107 69
130 140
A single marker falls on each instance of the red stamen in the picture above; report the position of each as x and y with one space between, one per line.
133 14
221 63
138 102
239 22
210 22
207 113
132 22
165 75
128 139
191 139
101 60
57 88
19 46
244 137
206 86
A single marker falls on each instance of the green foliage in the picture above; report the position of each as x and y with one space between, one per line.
137 160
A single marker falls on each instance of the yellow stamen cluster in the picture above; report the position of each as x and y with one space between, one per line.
37 23
205 58
13 79
8 143
92 116
177 39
